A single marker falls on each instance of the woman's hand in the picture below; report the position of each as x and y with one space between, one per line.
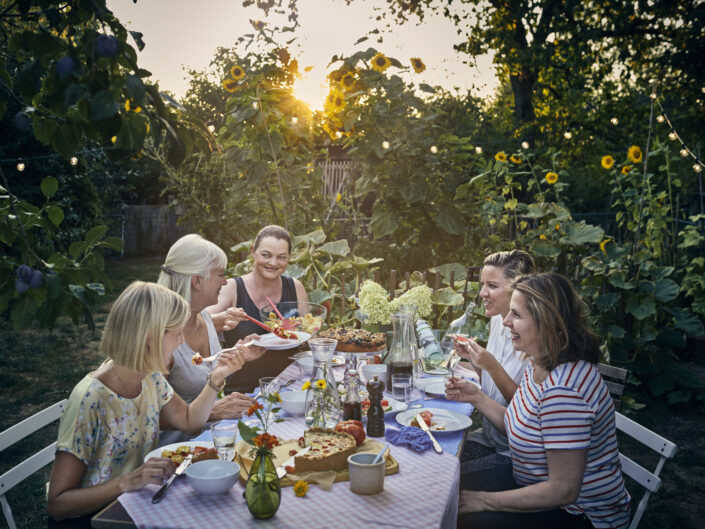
229 361
231 407
462 390
471 501
251 352
154 471
233 316
480 357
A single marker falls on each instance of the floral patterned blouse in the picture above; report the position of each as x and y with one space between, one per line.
109 433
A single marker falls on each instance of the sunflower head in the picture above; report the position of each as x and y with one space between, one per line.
551 177
626 169
607 162
237 73
321 384
230 85
500 156
335 102
634 154
300 488
515 159
258 24
347 81
306 385
380 62
417 64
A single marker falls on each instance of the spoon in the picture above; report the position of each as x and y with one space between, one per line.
379 455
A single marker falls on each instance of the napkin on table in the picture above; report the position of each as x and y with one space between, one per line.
409 436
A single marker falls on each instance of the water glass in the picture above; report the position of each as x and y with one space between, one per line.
400 381
224 435
268 386
414 396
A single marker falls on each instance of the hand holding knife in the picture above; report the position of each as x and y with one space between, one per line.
180 470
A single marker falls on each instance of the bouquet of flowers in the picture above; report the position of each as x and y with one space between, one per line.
257 436
375 305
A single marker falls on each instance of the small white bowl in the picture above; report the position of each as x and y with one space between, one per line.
370 370
293 402
212 476
306 365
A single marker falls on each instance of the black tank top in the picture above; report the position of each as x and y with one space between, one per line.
270 363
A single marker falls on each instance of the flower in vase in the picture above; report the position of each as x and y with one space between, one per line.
257 436
320 384
300 488
306 385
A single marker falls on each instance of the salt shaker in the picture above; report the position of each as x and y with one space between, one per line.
375 415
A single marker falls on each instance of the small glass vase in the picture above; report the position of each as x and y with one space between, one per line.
263 491
322 403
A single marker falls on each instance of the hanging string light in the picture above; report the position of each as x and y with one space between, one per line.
211 127
614 121
524 145
434 149
567 135
294 120
385 145
478 149
73 161
20 166
673 135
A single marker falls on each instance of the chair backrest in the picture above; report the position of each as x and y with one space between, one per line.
29 466
614 378
649 480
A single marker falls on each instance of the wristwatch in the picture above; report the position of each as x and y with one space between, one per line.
212 384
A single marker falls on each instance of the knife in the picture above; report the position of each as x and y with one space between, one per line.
180 470
281 469
424 427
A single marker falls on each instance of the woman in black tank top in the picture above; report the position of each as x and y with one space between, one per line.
270 256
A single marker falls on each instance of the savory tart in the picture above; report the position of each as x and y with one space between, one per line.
355 340
329 450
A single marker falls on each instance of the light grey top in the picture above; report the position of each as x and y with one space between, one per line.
188 379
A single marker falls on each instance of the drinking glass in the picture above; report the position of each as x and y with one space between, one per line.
414 396
224 435
400 381
268 386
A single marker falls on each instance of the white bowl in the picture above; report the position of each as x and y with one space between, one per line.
370 370
293 402
306 364
212 476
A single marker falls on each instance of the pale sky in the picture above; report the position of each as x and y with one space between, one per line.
186 33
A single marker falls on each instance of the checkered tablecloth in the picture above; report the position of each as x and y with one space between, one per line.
424 494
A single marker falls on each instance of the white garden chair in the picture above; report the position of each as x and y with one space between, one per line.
29 466
649 480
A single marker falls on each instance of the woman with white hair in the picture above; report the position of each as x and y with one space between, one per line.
195 269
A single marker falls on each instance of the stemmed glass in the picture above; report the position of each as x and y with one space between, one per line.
268 386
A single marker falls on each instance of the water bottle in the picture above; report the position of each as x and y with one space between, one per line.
433 354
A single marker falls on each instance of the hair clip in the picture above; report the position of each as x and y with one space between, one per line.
167 270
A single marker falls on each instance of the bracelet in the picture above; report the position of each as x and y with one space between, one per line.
212 384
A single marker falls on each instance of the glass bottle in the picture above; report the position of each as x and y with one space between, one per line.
375 415
322 407
432 352
462 325
416 356
352 406
400 358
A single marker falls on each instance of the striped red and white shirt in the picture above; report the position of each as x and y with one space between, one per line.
571 410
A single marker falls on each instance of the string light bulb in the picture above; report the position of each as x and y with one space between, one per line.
697 167
672 135
614 121
567 135
524 145
339 135
73 160
660 118
385 145
255 105
211 127
434 149
684 152
653 95
20 166
478 149
294 120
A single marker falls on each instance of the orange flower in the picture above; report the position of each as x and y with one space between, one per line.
253 408
267 440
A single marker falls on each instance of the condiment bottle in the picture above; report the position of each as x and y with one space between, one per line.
352 407
375 415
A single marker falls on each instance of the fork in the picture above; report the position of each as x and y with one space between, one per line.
214 357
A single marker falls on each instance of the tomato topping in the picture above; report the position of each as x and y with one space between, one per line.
385 402
293 452
289 468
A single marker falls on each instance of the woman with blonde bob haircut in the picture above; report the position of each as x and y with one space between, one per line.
566 472
195 269
112 418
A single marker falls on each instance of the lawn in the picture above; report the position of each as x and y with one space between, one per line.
38 368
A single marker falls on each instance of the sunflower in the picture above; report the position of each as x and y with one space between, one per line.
258 24
515 159
306 385
335 102
607 162
500 156
558 227
634 154
237 72
543 237
380 62
300 488
230 85
626 169
348 81
551 177
338 197
321 384
603 244
417 64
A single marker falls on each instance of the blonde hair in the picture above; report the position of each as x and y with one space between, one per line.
513 263
191 255
142 310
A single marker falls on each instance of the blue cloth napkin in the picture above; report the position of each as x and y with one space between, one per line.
410 437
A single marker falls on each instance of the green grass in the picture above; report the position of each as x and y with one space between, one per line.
38 368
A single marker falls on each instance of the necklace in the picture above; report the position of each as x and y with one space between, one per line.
122 384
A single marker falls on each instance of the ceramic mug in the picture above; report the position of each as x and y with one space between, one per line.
365 477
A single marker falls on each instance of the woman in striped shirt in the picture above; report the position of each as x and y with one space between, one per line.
560 423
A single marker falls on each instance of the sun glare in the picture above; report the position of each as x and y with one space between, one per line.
312 90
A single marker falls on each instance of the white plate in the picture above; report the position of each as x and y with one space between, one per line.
274 343
437 387
157 452
449 421
437 371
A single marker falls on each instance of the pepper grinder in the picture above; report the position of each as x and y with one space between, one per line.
375 415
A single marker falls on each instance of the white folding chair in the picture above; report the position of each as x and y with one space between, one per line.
29 466
649 480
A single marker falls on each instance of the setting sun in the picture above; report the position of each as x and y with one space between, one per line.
312 89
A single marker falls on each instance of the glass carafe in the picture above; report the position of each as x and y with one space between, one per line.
322 399
401 355
416 357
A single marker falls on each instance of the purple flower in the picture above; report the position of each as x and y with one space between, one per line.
37 279
24 273
21 286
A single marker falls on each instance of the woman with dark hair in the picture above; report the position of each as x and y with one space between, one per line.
270 256
560 423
